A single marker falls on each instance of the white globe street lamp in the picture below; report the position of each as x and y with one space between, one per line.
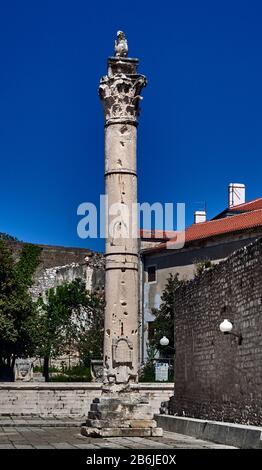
164 341
226 328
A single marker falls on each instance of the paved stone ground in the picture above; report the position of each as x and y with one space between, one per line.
59 437
38 421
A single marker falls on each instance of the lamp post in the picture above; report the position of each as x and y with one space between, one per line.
164 341
226 327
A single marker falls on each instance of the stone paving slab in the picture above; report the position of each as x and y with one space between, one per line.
47 437
43 446
12 421
183 440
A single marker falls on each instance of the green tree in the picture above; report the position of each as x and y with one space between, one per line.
17 310
90 344
164 321
55 328
147 372
65 316
7 237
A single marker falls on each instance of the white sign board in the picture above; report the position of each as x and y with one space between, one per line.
161 371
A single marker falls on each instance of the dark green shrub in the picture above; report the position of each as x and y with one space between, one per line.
76 374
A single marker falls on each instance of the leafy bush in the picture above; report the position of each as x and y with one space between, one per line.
203 265
76 374
67 378
51 369
78 370
148 373
7 237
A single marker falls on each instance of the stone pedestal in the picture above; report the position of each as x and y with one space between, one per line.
120 414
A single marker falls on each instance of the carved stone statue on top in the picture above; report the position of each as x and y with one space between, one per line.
121 47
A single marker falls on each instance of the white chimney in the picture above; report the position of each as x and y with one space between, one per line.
236 194
200 216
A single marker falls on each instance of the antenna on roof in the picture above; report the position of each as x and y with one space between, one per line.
202 205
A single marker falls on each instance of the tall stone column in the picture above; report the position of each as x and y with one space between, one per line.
120 94
121 410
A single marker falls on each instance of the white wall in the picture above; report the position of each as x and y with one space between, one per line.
66 399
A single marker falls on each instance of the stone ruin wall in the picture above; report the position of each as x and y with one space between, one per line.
91 272
60 264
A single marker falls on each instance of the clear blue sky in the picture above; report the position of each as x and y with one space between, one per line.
201 121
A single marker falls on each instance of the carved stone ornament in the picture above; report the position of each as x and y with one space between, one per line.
23 370
121 95
122 351
121 46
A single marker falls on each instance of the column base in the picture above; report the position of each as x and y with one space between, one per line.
121 432
123 415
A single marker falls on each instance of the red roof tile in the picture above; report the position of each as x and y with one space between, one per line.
248 206
157 234
217 227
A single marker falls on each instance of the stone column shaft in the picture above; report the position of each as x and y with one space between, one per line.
121 410
120 93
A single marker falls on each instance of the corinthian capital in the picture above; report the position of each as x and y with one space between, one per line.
120 94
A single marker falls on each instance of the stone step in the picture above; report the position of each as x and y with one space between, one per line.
105 423
122 399
112 406
121 432
120 423
123 414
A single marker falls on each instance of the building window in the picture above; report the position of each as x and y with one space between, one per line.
151 274
151 331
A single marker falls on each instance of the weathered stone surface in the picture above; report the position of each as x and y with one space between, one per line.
157 432
216 377
97 370
119 412
239 435
61 264
68 437
90 270
121 432
72 400
107 423
141 423
120 93
23 370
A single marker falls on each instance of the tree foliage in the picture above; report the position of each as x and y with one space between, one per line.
17 310
164 321
90 341
69 318
55 326
7 237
